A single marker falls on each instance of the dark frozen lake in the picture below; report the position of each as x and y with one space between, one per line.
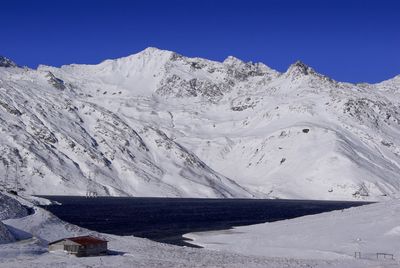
167 219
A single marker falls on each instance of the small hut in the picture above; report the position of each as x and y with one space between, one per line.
80 246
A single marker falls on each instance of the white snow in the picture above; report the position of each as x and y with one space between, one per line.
334 235
160 124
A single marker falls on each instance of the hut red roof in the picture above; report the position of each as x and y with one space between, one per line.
87 240
83 240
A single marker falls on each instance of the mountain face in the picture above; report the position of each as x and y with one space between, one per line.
160 124
9 208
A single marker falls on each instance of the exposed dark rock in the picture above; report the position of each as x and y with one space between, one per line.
301 68
5 62
10 109
179 87
387 144
55 82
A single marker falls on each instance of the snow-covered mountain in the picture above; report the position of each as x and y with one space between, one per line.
160 124
9 208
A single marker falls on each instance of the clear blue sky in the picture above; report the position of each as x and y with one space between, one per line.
348 40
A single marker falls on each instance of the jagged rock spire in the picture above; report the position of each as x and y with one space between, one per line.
300 68
6 62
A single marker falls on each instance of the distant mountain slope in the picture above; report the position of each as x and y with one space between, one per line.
160 124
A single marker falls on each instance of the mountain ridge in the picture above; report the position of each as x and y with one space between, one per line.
157 123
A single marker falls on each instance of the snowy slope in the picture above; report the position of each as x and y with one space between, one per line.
9 208
368 229
5 235
160 124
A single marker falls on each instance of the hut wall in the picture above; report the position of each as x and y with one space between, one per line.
96 249
79 250
57 246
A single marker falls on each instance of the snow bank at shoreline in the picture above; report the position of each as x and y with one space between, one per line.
334 235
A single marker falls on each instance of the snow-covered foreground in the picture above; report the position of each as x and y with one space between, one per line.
334 235
135 252
35 230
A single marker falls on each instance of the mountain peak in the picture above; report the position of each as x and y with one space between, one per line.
231 60
6 62
146 55
300 68
153 51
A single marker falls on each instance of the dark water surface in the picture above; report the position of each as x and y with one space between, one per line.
167 219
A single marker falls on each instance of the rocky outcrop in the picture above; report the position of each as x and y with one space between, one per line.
7 63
